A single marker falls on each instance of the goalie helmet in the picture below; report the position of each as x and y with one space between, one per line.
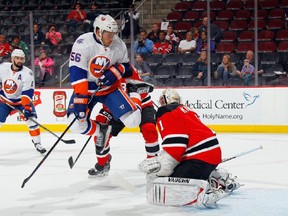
105 23
18 53
169 96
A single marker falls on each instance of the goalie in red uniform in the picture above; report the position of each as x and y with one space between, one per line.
190 153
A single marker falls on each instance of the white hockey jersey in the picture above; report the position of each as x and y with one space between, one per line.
89 58
16 84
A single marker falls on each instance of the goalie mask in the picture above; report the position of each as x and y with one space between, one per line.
169 96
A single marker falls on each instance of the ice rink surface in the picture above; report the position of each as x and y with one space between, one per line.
57 190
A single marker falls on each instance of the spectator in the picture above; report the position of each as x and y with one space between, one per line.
215 31
199 69
76 16
17 43
226 69
202 44
126 31
188 45
38 35
247 71
162 46
52 36
195 33
44 70
250 57
172 38
154 34
143 68
92 15
143 45
5 48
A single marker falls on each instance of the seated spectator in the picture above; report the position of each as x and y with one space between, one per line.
143 68
143 45
52 36
250 57
202 44
154 34
195 33
199 69
188 45
172 38
5 48
215 31
38 35
76 16
44 70
126 31
92 15
247 71
162 46
17 43
226 69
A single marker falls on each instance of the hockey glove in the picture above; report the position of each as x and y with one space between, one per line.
28 112
80 106
110 76
103 117
150 165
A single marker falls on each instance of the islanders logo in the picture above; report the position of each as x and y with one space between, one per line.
10 86
250 98
98 65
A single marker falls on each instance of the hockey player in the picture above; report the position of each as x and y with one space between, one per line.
179 175
100 58
17 90
147 125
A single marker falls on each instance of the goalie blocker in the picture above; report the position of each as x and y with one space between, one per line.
173 191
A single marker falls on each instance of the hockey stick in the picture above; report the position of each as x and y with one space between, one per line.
72 141
242 153
70 160
48 153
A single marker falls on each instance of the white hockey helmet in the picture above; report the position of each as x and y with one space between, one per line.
169 96
105 23
18 53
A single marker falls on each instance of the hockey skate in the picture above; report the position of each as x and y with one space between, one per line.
100 171
39 147
139 87
222 178
103 136
212 197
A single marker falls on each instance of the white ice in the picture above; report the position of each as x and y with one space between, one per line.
57 190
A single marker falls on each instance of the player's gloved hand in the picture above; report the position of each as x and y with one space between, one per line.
110 76
103 117
80 106
28 112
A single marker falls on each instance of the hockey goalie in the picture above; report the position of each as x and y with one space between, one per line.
185 173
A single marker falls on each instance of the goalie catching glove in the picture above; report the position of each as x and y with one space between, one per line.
162 165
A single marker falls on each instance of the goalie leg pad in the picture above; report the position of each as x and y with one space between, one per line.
170 191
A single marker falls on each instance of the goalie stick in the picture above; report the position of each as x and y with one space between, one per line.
48 153
71 161
72 141
242 153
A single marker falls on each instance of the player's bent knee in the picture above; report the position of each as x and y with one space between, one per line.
131 119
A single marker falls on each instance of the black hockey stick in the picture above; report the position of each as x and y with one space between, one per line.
72 141
71 161
242 153
48 153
